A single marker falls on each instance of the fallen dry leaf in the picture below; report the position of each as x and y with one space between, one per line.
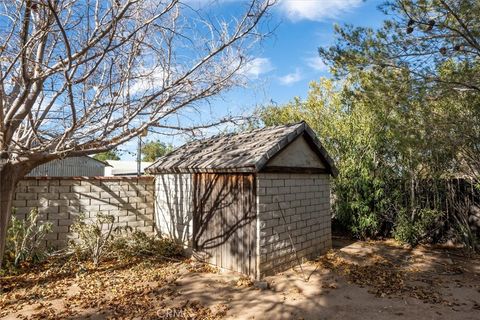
381 276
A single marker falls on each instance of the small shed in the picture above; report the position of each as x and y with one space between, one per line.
255 202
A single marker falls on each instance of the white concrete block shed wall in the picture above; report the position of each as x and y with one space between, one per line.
296 206
174 205
288 205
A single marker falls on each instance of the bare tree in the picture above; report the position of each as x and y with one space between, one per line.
78 77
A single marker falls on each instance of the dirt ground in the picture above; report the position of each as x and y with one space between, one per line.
356 280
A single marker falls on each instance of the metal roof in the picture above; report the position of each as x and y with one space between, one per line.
239 152
70 167
122 167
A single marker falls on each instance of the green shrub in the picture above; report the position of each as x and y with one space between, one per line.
413 230
361 202
94 236
24 239
365 226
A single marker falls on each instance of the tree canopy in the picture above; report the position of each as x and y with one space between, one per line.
435 40
152 150
108 155
433 47
401 117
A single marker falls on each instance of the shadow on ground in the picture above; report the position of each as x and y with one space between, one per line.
356 280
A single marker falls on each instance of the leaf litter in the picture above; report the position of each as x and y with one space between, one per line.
117 289
386 278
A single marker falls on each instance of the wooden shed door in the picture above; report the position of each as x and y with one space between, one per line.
224 224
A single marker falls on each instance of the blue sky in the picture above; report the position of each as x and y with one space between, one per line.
290 57
284 64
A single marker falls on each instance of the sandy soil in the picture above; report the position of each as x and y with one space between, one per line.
357 280
329 295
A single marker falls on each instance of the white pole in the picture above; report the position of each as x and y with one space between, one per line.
139 156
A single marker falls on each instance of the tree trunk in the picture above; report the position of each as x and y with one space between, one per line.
9 177
412 196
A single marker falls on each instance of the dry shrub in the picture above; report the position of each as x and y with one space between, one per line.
25 240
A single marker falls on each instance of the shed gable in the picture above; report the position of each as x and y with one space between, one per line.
298 154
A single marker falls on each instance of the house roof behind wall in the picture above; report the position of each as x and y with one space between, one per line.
239 152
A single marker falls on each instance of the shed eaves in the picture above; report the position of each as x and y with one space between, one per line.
238 152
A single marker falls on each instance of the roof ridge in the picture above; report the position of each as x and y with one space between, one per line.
226 134
247 151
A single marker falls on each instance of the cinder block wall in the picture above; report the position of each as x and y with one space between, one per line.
303 200
60 200
174 205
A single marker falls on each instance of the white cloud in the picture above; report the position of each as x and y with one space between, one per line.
291 77
317 10
148 79
316 63
257 67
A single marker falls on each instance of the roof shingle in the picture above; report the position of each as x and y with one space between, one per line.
237 152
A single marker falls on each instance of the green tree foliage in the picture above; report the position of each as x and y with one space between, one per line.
154 149
108 155
403 111
435 44
386 136
419 36
351 136
413 232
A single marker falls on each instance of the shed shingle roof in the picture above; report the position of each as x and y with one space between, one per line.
238 152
